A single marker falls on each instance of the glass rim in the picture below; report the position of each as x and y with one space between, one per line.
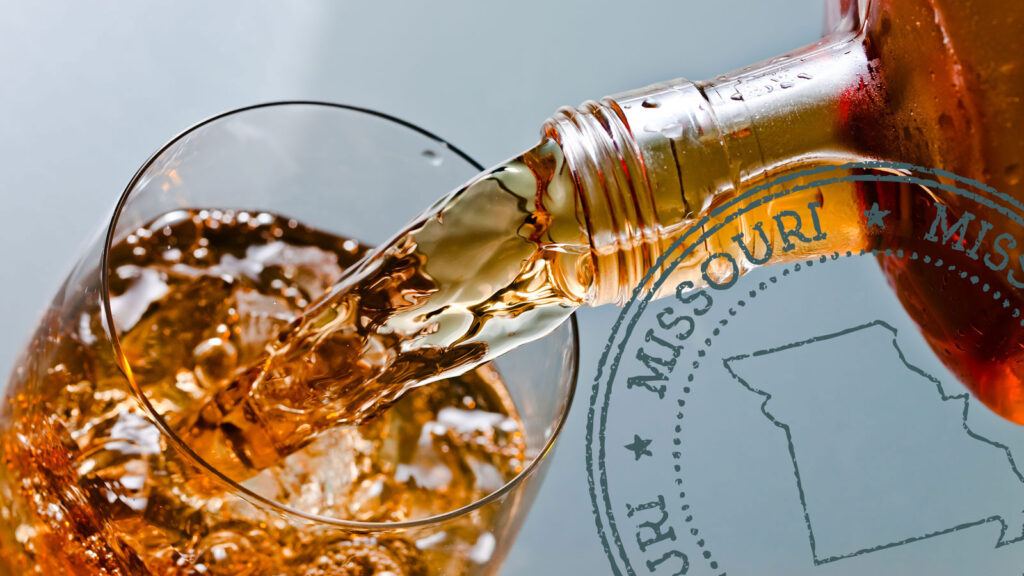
246 493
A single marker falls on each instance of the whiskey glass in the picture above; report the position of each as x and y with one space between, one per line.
95 479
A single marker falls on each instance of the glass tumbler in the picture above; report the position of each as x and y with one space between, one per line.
94 479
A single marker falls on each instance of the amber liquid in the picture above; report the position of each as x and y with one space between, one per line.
90 486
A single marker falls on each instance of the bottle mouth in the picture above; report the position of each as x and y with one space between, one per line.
615 193
252 497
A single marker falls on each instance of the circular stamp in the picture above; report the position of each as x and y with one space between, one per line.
811 417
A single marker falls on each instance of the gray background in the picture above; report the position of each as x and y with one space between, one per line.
88 91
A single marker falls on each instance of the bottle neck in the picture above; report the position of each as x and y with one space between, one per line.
646 163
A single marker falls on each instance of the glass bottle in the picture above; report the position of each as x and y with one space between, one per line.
927 84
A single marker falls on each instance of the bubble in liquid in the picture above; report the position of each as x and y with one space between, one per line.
172 255
228 553
24 533
215 359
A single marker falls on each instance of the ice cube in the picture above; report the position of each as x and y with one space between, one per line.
260 317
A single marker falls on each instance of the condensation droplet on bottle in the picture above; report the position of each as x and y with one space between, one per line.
672 130
649 103
785 85
804 75
736 96
669 129
433 157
